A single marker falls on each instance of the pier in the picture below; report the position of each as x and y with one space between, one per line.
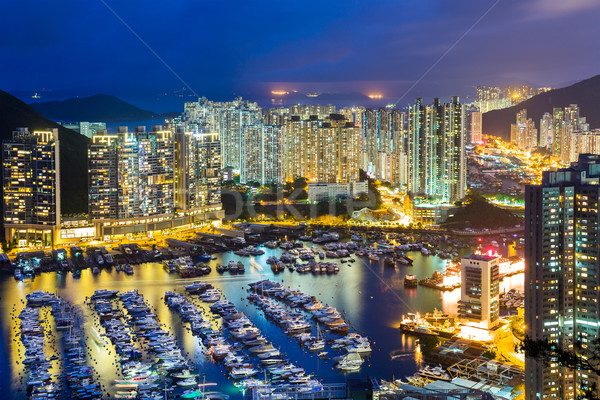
329 391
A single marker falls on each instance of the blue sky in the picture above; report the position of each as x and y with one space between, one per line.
220 49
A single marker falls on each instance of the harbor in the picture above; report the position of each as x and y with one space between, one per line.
328 326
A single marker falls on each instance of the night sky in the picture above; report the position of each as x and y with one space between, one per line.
225 48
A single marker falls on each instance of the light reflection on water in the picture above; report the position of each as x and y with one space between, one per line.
371 296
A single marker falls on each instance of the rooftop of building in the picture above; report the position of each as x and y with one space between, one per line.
480 257
585 170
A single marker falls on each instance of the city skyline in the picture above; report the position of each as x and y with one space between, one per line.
220 51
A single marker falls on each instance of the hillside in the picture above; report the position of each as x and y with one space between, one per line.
585 93
101 107
73 149
478 213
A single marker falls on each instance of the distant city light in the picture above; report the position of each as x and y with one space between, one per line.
376 96
279 92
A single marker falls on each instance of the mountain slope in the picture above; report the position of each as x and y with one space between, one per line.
100 107
585 93
73 150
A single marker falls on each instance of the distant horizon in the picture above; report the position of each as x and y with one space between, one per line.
161 103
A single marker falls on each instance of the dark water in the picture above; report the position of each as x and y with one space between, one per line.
371 296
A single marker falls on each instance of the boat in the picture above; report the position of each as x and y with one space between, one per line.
128 269
434 373
204 258
104 294
374 257
244 372
192 394
18 274
410 281
185 374
126 395
241 268
350 363
189 382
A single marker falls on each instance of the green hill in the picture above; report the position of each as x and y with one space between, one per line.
73 150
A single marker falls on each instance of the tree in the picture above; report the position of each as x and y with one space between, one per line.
586 358
489 354
583 357
428 343
300 183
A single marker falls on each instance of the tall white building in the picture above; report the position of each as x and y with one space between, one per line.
476 127
479 305
546 131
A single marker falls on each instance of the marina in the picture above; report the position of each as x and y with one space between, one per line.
326 328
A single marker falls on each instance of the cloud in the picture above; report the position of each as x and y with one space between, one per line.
550 9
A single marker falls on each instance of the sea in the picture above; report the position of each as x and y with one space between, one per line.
371 297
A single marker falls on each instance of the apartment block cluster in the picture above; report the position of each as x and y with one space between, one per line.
489 98
140 182
564 132
170 176
421 150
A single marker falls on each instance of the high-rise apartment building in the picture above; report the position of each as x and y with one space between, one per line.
479 305
103 178
473 125
305 111
436 150
558 116
229 119
197 171
142 163
87 129
142 182
489 98
562 274
546 129
383 143
523 133
321 150
579 142
263 151
31 183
